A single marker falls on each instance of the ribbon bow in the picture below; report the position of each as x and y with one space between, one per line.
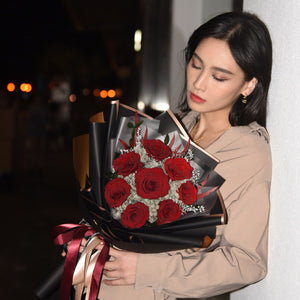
90 267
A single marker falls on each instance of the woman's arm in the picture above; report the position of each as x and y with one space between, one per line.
239 259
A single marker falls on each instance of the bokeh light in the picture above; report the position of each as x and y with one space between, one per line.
111 93
141 105
96 92
103 94
138 40
72 98
160 106
11 87
26 87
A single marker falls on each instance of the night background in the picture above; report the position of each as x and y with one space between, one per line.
68 51
61 61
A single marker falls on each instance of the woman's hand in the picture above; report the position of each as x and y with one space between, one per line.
121 270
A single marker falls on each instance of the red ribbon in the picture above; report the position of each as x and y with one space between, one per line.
74 233
98 271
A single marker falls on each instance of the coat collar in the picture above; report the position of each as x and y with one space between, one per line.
229 136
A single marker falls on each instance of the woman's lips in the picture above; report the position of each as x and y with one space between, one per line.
196 98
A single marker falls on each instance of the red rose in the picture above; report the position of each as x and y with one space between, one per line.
178 168
116 192
135 215
187 193
151 183
157 149
168 211
127 163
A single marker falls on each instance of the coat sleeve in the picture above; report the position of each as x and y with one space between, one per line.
238 259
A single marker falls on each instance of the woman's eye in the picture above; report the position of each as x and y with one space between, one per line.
218 79
196 67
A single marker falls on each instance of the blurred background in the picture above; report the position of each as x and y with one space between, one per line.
61 61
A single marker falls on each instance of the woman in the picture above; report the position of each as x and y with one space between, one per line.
228 74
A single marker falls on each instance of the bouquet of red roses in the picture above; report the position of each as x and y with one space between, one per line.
144 187
151 183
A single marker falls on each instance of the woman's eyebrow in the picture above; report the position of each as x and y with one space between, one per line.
222 70
214 68
197 56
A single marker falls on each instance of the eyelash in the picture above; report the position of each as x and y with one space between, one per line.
195 67
213 76
218 79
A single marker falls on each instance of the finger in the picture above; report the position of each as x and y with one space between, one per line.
83 242
112 274
114 252
100 246
115 282
111 265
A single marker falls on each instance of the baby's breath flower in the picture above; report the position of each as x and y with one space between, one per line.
196 176
194 209
115 212
138 136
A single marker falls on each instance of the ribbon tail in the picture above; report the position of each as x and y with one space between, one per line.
80 273
61 235
97 273
69 268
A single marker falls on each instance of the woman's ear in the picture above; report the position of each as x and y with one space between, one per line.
249 87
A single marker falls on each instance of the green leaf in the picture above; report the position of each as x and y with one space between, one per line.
130 143
112 175
130 125
167 139
139 123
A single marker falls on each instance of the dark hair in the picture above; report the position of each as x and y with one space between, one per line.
250 43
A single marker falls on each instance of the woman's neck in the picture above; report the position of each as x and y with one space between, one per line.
212 122
209 128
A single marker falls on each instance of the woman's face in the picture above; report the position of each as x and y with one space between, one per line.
214 79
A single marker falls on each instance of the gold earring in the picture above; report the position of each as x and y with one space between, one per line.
244 99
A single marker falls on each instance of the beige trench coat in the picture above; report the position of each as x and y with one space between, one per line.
238 255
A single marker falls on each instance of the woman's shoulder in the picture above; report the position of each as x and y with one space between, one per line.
244 138
251 142
244 156
247 145
253 137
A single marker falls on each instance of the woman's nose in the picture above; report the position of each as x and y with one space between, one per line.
200 82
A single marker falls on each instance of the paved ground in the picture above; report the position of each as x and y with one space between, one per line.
29 209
